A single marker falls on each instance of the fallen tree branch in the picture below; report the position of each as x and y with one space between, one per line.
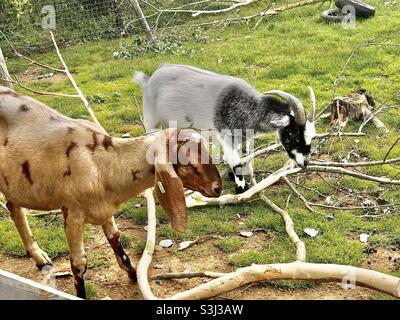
45 214
289 225
71 79
391 148
273 148
353 207
41 93
298 194
267 12
20 55
188 275
296 270
339 134
199 241
145 260
353 164
293 271
353 174
196 199
4 74
196 13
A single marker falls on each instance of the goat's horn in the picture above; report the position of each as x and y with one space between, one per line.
294 103
311 113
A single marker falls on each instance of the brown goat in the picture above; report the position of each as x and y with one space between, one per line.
49 161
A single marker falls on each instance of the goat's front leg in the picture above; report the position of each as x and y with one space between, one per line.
19 218
232 157
74 227
113 236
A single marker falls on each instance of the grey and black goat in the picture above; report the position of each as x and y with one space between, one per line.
204 100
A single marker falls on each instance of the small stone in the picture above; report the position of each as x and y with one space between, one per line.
364 237
328 200
146 228
158 266
166 243
311 232
126 135
246 234
137 205
185 244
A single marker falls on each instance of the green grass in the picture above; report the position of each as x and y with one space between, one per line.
91 292
287 52
139 247
50 237
229 244
125 241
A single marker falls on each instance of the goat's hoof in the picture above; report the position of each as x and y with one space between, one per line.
241 189
231 176
132 275
45 266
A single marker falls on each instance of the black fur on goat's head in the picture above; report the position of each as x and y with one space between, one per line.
296 139
297 135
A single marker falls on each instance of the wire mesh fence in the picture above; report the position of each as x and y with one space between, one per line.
27 22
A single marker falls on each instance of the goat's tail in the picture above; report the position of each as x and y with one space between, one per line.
140 78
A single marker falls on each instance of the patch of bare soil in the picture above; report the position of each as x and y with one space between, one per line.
36 74
110 281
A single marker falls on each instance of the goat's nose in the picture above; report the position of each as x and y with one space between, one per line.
217 190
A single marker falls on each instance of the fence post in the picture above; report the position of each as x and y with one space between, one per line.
4 71
119 15
143 21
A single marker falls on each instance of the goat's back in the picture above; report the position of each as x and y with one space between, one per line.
39 153
186 94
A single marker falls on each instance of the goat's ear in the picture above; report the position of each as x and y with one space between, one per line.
170 194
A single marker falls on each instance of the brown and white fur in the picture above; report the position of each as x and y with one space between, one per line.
49 161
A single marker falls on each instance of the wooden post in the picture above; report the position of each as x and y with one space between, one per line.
119 15
142 19
4 71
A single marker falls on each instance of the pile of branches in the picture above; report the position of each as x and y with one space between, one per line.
349 276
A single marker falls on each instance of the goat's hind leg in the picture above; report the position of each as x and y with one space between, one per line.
113 236
74 227
20 221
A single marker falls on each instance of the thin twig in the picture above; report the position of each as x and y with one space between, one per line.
188 275
20 55
390 149
298 194
42 93
71 79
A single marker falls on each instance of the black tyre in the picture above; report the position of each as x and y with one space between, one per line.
362 9
333 15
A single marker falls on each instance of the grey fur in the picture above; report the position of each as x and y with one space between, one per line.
206 100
